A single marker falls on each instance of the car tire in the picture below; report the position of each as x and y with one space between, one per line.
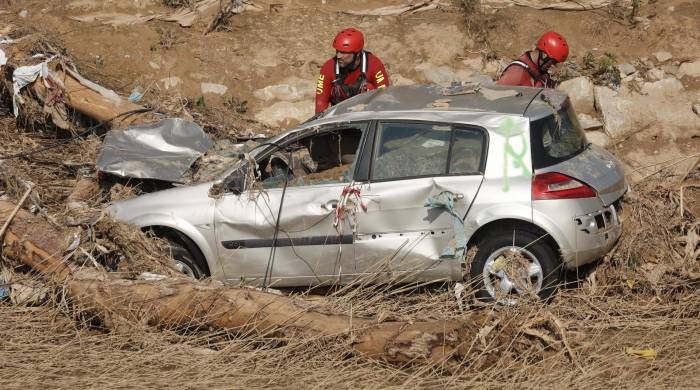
185 261
516 264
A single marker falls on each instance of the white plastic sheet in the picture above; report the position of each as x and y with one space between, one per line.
25 75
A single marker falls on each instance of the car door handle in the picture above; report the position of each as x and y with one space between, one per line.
330 205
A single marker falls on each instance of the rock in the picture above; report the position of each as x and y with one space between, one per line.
629 78
690 69
663 88
671 69
480 78
615 111
646 62
153 65
626 69
23 13
292 89
598 138
656 74
580 91
588 122
663 56
696 108
437 74
218 89
285 113
170 82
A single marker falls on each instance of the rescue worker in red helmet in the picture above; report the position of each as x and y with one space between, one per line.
350 72
530 69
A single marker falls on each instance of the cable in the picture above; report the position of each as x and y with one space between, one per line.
65 141
271 259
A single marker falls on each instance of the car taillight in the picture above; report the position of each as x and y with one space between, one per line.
553 185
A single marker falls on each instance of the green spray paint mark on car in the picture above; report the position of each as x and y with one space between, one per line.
509 129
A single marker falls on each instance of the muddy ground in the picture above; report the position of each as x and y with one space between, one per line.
642 297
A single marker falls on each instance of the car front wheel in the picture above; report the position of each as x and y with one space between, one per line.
184 261
513 265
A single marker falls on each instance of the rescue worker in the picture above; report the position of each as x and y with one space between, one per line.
350 72
530 69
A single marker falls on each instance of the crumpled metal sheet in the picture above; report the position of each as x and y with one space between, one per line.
458 245
162 151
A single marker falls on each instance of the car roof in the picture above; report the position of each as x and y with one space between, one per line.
458 97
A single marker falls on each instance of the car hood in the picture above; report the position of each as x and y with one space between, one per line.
172 201
599 169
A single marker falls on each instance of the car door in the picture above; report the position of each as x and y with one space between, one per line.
412 162
308 249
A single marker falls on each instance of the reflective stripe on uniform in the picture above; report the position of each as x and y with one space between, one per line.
319 84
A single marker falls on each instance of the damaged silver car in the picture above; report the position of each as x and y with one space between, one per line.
398 184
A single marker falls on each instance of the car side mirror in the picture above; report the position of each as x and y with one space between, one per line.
235 184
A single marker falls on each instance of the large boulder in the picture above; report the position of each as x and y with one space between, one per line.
286 113
662 103
580 91
615 110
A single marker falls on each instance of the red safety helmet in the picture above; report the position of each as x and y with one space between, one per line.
349 41
554 45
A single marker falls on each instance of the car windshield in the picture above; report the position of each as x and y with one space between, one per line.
556 138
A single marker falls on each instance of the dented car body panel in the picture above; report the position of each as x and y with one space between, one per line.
383 159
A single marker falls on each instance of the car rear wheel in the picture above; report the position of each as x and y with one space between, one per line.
510 266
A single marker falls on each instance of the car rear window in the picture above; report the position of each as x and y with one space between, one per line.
556 138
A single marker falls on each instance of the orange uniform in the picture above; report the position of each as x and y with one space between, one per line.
524 72
336 84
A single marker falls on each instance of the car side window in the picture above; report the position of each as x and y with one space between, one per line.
324 157
410 149
467 150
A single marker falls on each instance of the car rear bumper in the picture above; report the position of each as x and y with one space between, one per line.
595 235
584 229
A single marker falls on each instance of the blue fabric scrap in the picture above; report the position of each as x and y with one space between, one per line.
457 247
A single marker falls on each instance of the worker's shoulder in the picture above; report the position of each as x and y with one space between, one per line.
372 59
327 67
